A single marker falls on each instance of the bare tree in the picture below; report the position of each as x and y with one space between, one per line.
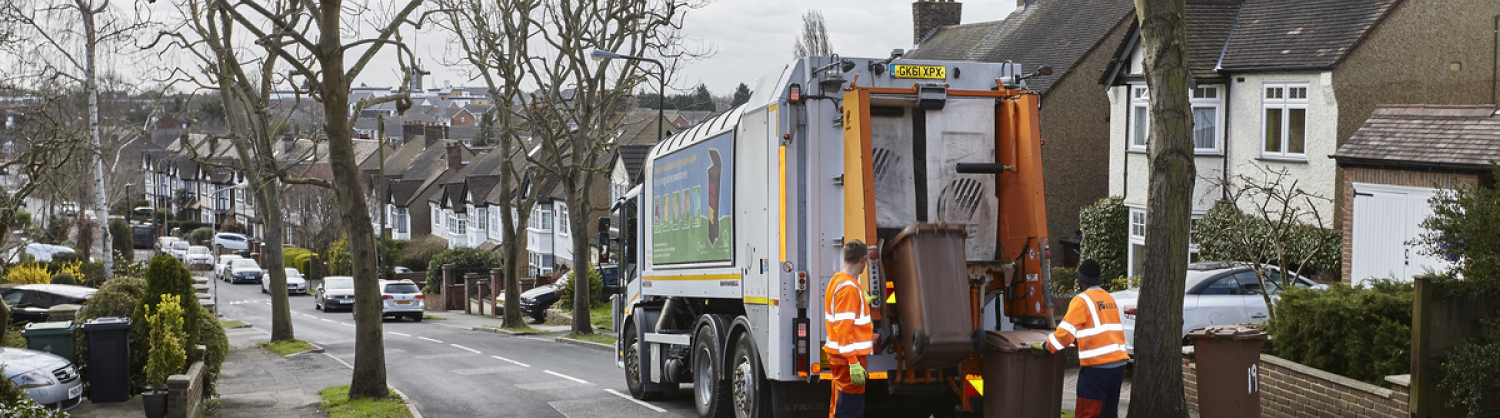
494 45
579 111
50 40
311 41
1157 389
1282 228
813 41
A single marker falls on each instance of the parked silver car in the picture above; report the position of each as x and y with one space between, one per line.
295 283
401 298
48 379
1216 294
336 292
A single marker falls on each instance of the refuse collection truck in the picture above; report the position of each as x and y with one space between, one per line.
729 241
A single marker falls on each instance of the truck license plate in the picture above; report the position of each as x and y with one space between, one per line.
936 72
74 392
403 302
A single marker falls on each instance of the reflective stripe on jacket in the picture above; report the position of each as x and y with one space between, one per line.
850 332
1093 322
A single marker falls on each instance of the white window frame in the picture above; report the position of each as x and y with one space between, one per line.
1284 97
463 228
483 218
1140 98
1209 97
562 220
1136 230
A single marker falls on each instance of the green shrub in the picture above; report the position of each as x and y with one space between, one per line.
64 258
1462 230
116 298
1363 333
64 278
339 259
418 253
298 258
166 276
121 238
167 355
1120 283
21 220
1219 232
12 338
201 236
596 289
1469 370
92 274
1064 282
465 260
216 344
1106 236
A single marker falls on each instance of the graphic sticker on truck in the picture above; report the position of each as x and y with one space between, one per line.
693 200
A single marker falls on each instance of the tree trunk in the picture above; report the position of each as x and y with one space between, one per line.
91 88
281 310
369 380
578 211
1157 385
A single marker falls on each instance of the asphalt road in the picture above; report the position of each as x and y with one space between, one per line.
450 371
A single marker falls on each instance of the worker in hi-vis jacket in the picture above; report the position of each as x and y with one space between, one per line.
851 335
1093 323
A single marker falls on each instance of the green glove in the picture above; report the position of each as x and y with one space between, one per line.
857 374
870 299
1038 346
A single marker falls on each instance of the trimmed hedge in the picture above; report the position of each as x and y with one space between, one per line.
418 253
465 260
1363 333
1219 229
1106 236
298 258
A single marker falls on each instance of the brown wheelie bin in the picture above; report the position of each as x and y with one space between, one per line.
1020 381
926 262
1228 376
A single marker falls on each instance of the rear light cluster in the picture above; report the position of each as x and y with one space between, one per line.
419 296
1129 311
802 341
387 297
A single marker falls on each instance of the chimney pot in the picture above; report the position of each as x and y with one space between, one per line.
929 14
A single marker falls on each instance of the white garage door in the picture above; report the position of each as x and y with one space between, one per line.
1387 221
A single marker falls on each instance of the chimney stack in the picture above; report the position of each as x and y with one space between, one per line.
455 157
927 15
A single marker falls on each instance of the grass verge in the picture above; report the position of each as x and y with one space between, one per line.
600 317
594 338
230 323
287 347
426 316
337 404
522 328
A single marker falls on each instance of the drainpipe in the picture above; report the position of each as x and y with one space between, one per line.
1495 65
1125 172
1227 105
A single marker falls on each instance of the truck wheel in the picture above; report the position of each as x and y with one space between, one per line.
710 394
748 379
633 367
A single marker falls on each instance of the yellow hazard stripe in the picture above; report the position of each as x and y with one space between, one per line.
781 171
692 277
761 301
870 375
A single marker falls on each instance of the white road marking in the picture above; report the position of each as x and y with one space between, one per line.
566 376
637 401
511 361
328 320
429 339
400 334
465 348
347 325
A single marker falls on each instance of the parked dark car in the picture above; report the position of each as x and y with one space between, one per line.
142 236
534 302
29 303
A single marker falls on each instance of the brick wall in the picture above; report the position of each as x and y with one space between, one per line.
1292 390
185 392
1388 177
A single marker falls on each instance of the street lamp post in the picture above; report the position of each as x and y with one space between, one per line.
661 77
129 206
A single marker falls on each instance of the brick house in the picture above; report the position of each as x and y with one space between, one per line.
1392 165
1077 38
1280 85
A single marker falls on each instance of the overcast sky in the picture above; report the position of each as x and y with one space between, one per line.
753 37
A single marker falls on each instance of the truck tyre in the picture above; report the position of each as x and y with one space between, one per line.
633 367
710 394
748 382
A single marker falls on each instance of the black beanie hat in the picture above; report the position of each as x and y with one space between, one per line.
1088 272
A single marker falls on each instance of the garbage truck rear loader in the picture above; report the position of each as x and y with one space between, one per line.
727 244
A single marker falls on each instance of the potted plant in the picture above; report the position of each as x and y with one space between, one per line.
166 356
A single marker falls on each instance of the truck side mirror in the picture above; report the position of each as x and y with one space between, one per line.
603 225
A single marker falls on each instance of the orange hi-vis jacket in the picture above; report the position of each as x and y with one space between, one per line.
1093 321
850 333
